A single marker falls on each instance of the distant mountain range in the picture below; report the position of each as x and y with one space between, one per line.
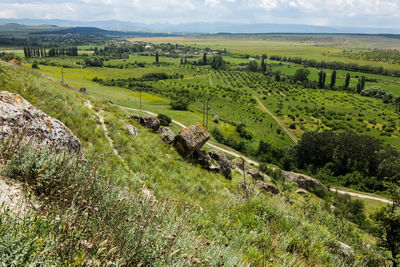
201 27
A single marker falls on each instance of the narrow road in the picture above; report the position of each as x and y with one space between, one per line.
237 155
213 145
381 199
277 120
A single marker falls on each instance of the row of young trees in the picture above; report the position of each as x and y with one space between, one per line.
35 52
338 65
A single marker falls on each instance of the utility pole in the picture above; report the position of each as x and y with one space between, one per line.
204 110
140 97
207 115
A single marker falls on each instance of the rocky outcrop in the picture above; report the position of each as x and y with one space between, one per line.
302 192
237 163
303 181
132 130
256 174
190 139
202 158
223 163
167 136
267 188
150 122
18 116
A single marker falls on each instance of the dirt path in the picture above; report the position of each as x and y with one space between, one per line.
213 145
146 191
381 199
277 120
237 155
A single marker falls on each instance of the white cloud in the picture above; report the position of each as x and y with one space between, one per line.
317 12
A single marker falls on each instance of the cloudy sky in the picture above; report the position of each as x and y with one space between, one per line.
353 13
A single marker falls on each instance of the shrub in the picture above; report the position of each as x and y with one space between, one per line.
179 105
164 119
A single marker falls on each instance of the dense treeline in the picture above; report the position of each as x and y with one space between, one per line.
377 55
36 52
360 161
338 65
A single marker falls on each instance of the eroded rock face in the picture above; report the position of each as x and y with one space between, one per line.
132 130
167 136
267 188
256 174
202 158
303 181
150 122
190 139
224 165
18 116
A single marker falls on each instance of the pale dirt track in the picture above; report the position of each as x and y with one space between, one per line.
237 155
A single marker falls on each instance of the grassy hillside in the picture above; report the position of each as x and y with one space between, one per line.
105 217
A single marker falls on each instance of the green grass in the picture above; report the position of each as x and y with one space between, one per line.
222 225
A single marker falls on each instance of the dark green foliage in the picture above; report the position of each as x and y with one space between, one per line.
205 59
94 62
35 65
252 66
356 159
179 104
333 80
377 92
157 58
301 75
338 65
347 82
388 220
217 63
243 132
164 119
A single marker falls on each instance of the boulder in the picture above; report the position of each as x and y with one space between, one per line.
237 163
15 62
132 130
267 187
302 192
223 163
190 139
135 117
167 136
202 158
347 250
150 122
18 116
256 174
303 181
82 90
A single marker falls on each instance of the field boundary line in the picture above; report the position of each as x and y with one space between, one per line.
294 139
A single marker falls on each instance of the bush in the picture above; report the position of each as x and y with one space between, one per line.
164 119
35 65
179 105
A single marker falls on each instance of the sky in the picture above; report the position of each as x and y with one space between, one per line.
345 13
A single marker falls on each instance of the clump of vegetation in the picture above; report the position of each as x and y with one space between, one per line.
164 119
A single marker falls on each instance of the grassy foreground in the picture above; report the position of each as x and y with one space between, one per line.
95 212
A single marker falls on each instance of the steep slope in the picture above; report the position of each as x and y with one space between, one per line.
209 218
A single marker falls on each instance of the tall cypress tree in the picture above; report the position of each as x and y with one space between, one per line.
362 82
347 82
157 58
333 79
205 59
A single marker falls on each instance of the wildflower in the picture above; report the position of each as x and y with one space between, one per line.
57 219
96 209
185 256
195 261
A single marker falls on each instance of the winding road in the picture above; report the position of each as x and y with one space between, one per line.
237 155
